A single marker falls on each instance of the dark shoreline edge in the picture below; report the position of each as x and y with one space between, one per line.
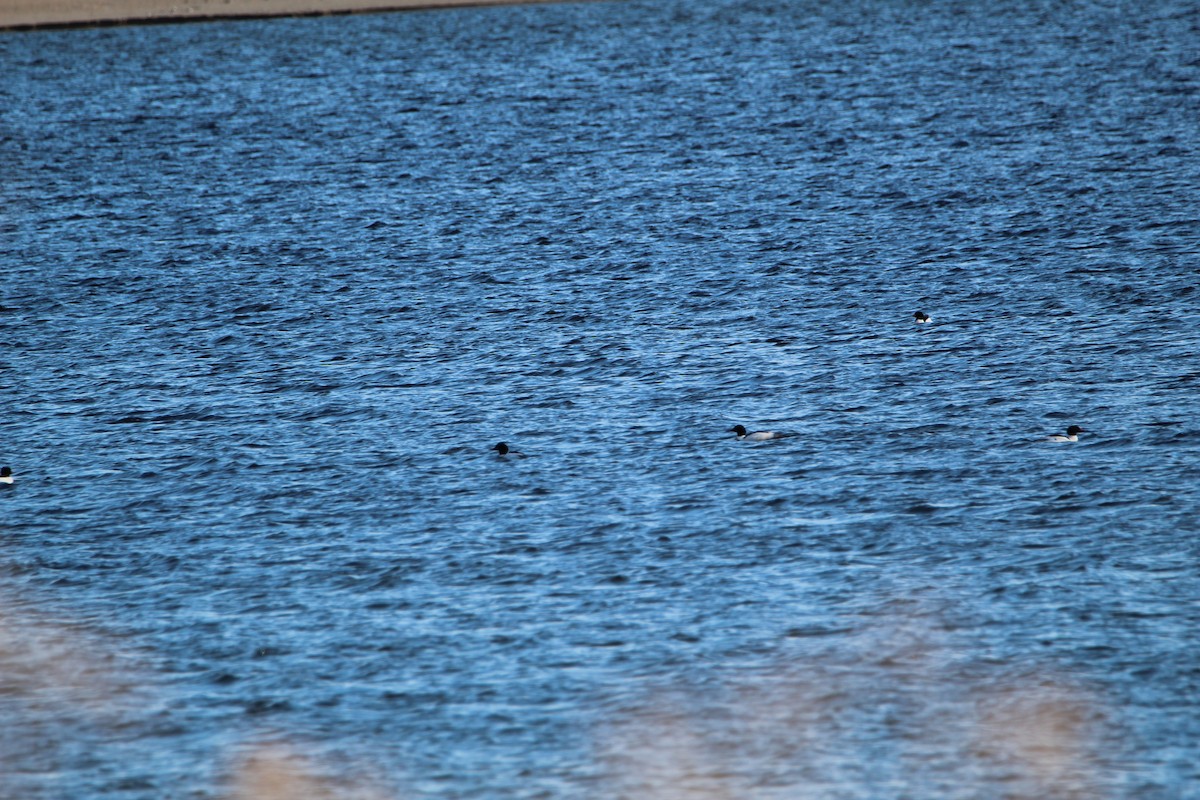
185 19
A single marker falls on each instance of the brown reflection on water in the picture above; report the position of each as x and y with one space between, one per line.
62 687
894 708
280 772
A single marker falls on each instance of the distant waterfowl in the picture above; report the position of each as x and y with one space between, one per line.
754 436
921 317
1072 435
504 450
6 475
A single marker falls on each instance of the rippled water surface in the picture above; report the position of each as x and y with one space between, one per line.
271 289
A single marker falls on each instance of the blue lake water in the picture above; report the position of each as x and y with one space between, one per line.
272 289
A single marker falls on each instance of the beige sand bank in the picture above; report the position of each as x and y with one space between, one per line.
50 13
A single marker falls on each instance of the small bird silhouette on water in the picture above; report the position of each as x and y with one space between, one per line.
754 436
1072 435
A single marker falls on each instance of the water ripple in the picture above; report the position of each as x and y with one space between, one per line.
275 287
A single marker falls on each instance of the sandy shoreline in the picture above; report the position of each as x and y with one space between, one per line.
21 14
